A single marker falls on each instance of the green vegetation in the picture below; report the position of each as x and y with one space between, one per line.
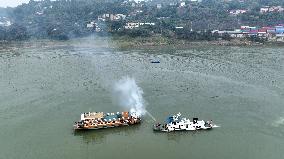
64 19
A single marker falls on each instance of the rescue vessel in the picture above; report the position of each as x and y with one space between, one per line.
177 123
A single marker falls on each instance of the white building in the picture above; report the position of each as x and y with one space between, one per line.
237 12
111 17
159 6
91 24
271 9
5 22
132 25
138 1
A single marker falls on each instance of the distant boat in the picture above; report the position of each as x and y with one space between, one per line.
155 61
99 120
176 123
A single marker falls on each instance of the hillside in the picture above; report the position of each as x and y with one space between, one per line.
63 19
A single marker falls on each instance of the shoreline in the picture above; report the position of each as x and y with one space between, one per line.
157 41
148 42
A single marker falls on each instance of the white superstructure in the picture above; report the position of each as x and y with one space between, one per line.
175 123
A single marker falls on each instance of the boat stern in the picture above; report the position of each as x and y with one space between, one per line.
160 127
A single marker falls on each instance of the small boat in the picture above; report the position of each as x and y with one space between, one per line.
176 123
155 61
99 120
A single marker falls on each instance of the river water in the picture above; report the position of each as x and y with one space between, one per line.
45 85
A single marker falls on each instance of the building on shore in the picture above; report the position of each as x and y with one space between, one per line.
276 32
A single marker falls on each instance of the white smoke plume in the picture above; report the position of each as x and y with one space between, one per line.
129 95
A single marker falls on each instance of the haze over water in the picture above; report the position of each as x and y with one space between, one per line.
44 86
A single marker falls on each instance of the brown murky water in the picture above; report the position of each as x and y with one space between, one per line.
44 86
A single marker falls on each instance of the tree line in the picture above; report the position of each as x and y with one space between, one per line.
64 19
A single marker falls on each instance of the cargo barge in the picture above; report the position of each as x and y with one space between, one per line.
100 120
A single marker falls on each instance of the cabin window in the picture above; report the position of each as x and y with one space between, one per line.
174 123
186 125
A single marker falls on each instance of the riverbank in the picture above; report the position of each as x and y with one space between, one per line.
135 42
129 42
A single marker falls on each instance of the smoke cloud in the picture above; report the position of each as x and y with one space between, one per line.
129 95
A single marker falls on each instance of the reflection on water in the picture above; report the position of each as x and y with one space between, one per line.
99 136
178 136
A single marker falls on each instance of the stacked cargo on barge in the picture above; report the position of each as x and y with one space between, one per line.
98 120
